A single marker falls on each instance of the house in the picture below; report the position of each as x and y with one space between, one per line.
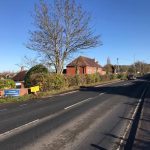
19 78
7 75
84 65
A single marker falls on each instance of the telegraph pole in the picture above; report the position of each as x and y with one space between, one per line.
134 65
117 65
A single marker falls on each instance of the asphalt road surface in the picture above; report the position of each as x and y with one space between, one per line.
93 118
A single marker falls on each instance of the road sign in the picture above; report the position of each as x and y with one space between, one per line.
12 92
35 89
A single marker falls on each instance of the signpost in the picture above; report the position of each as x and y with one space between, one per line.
35 89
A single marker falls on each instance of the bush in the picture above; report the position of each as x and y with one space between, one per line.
70 81
34 70
122 76
74 80
59 81
39 79
89 78
113 76
48 82
105 78
7 84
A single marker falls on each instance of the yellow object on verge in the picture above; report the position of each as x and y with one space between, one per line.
35 89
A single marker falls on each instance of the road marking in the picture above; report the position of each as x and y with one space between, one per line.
49 96
27 126
2 110
67 93
82 101
39 101
108 83
77 103
130 121
126 83
23 105
101 94
17 130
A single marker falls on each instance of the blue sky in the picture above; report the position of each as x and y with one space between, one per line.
124 26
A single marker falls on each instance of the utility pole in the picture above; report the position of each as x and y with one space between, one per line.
117 65
134 65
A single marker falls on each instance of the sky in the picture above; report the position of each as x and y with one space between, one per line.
124 26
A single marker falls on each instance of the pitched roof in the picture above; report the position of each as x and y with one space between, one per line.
20 76
84 61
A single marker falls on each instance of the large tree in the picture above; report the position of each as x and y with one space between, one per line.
61 29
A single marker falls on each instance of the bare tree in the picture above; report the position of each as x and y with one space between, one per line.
28 62
61 30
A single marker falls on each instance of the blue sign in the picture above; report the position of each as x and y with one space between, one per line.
12 92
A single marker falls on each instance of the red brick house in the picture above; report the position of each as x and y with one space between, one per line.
19 78
84 65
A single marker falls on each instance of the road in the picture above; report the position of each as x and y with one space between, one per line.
92 118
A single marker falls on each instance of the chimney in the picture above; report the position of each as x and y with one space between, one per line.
22 68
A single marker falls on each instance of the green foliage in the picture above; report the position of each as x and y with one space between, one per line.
109 69
113 76
105 77
72 80
59 81
131 70
34 70
90 78
39 79
49 82
7 84
122 76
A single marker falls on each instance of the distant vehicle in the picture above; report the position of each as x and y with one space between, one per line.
131 77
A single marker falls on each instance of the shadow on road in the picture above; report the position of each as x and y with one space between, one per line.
130 90
98 147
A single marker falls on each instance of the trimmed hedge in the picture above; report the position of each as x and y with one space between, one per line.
49 82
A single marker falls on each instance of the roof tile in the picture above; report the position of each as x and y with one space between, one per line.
84 61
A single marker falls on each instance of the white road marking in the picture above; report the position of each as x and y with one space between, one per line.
2 110
130 122
101 94
17 130
67 93
107 83
23 105
77 103
49 96
126 83
39 101
27 126
82 101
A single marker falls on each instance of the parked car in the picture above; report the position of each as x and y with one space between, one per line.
131 77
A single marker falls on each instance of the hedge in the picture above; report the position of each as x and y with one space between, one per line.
7 84
49 82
